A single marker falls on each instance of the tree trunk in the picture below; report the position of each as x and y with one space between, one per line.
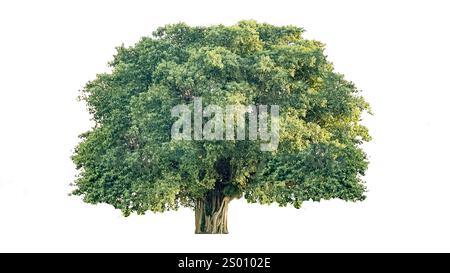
211 214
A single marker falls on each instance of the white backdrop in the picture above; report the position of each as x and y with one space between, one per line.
397 52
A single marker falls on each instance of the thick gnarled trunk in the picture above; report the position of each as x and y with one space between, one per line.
211 214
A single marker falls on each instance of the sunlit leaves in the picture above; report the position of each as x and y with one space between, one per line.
129 160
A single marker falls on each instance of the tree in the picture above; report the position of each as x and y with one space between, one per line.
129 160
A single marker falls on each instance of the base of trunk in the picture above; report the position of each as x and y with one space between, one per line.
211 214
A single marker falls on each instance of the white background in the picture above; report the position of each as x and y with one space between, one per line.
397 52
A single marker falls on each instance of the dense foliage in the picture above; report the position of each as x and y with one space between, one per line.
129 160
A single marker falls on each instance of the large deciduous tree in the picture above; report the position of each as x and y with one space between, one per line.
129 160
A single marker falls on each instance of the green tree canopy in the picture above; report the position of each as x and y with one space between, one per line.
129 160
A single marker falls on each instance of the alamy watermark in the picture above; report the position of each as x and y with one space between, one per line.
228 123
